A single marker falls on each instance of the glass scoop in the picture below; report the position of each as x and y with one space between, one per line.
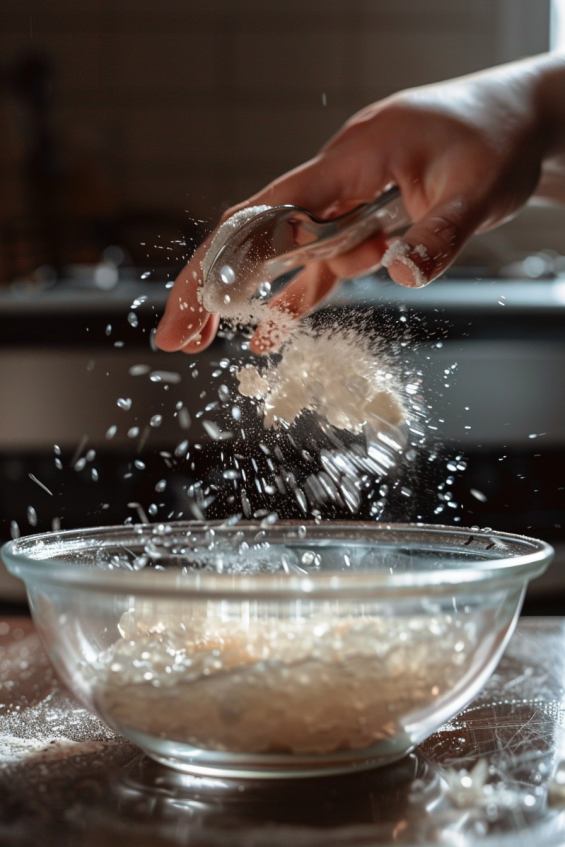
276 243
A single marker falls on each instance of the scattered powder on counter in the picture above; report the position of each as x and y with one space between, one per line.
399 252
39 721
17 750
334 373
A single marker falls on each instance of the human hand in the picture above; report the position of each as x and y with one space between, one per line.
466 154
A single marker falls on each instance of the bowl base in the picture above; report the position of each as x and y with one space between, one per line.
210 763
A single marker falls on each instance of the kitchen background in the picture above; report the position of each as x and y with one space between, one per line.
127 127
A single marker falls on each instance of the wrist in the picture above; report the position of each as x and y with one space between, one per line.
547 81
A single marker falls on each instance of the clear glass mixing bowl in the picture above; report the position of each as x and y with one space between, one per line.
271 651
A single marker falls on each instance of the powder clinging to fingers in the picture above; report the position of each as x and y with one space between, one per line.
399 251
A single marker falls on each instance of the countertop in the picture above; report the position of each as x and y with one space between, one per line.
68 781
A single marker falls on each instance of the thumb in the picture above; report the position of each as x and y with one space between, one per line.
431 244
322 186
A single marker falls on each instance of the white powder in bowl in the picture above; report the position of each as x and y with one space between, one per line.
275 685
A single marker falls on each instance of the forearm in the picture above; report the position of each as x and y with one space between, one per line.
531 92
548 75
543 79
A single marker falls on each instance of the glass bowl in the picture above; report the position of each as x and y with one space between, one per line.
282 650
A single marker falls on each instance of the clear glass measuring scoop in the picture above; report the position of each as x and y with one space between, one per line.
274 245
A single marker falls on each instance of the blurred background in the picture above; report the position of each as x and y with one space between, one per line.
126 128
120 114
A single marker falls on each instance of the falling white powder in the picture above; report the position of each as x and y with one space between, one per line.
139 370
41 485
251 383
399 252
334 373
165 376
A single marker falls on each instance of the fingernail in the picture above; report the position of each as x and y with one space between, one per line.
166 327
163 324
195 339
402 262
402 273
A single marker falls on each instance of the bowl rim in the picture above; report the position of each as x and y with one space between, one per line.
493 572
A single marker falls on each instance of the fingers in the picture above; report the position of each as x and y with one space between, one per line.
185 317
426 250
186 325
431 244
363 259
327 185
297 299
205 336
